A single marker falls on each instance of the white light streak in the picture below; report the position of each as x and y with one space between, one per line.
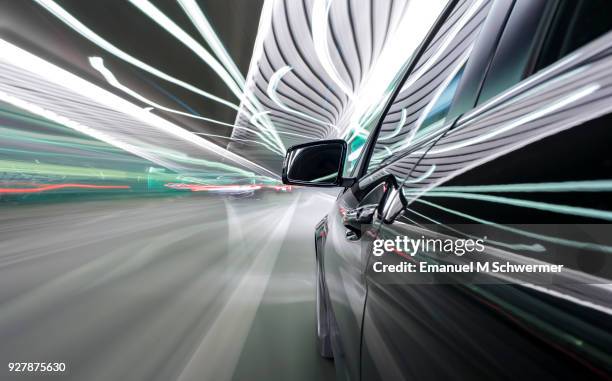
569 99
98 64
165 22
50 115
382 77
237 87
272 94
320 26
265 21
87 33
442 48
201 23
397 129
83 30
57 76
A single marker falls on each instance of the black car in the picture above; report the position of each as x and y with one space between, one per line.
500 126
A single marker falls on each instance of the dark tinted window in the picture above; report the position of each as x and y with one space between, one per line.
539 33
418 113
576 23
440 109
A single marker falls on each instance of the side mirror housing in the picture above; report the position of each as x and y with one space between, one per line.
316 164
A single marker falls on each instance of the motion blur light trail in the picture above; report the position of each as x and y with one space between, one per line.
39 87
230 329
156 15
44 188
40 159
87 33
542 237
173 287
222 188
98 64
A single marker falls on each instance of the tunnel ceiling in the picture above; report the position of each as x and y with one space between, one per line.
310 58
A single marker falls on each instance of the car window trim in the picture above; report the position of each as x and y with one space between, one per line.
545 28
511 29
496 22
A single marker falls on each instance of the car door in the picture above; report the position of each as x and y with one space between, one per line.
531 155
434 80
344 260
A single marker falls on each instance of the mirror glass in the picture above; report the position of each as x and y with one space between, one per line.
316 164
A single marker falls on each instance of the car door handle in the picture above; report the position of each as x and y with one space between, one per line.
351 235
359 216
353 219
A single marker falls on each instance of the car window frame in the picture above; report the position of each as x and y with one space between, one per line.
517 30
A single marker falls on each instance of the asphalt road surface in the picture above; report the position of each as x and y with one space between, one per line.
185 288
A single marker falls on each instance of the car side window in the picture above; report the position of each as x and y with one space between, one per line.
436 115
433 118
533 128
419 110
544 142
541 32
575 23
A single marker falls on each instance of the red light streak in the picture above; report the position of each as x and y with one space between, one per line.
200 188
286 188
44 188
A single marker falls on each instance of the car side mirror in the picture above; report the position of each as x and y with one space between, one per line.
316 164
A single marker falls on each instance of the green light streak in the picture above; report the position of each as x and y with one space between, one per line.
535 247
29 118
546 238
20 167
566 186
554 208
61 147
10 134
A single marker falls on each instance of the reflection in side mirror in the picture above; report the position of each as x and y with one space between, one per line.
315 164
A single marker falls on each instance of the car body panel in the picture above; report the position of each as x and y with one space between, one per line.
548 331
523 134
343 270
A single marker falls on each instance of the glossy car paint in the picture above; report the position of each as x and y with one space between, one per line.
500 331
